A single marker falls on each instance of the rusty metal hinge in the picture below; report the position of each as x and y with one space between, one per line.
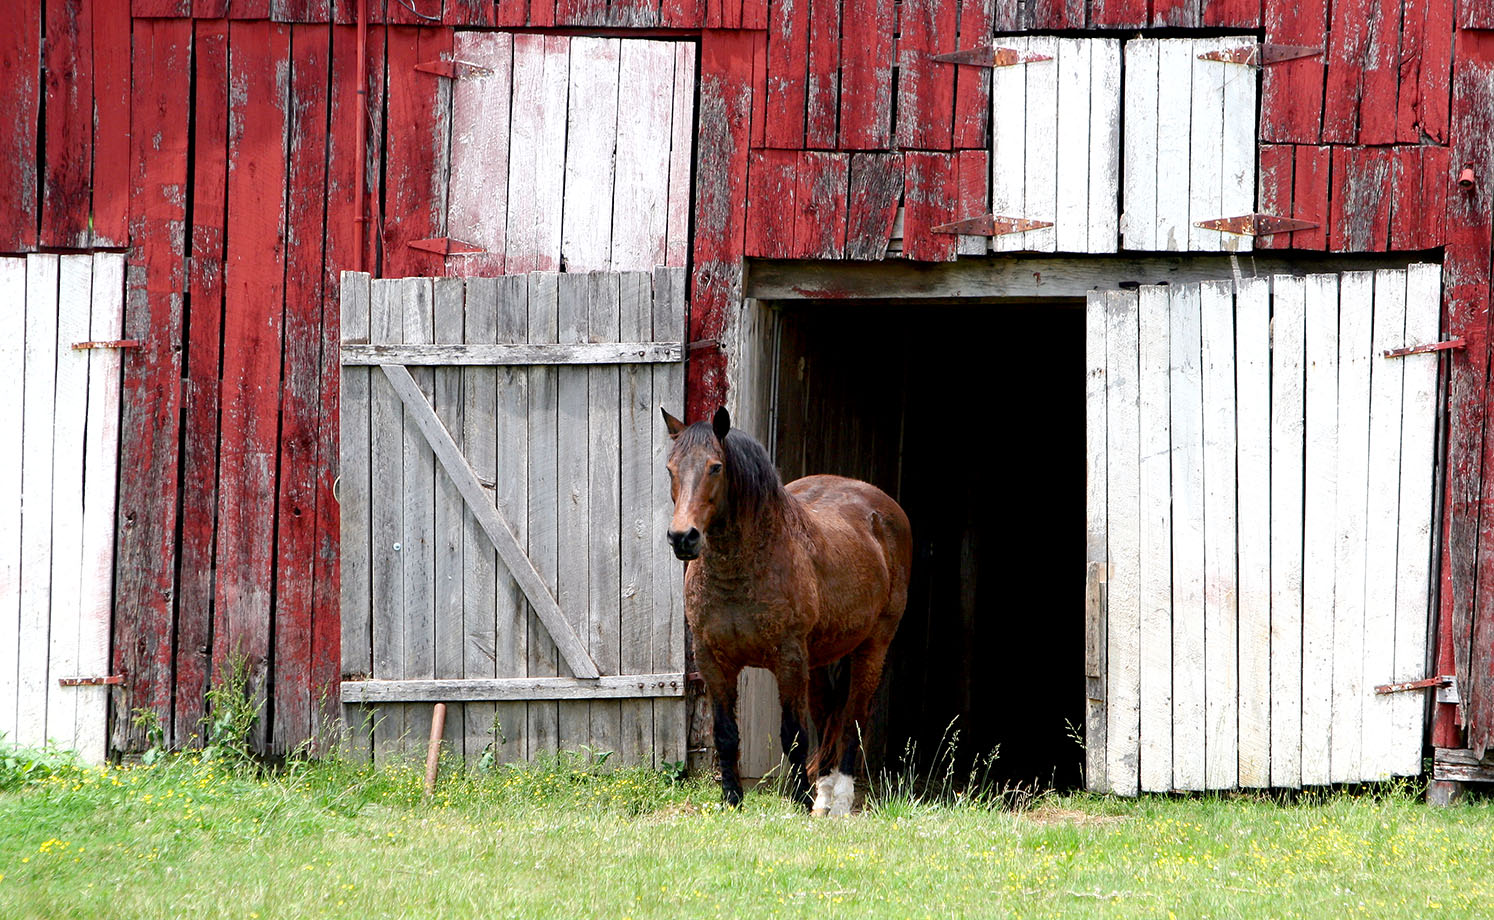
1446 686
1428 347
702 344
1262 54
446 246
991 225
986 56
90 681
454 70
113 343
1256 224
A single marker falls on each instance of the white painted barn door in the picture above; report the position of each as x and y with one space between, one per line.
1259 530
58 463
1190 152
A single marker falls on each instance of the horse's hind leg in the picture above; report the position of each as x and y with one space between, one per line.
842 747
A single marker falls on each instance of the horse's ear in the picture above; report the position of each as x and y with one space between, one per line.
674 425
721 423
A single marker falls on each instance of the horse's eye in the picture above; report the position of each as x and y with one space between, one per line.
714 469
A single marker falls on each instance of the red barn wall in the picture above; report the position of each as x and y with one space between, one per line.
220 153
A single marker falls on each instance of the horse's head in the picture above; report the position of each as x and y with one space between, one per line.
697 482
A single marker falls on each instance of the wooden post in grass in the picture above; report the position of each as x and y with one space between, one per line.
433 750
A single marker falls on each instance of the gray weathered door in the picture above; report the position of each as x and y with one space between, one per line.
503 502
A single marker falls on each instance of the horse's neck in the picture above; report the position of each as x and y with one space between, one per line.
745 545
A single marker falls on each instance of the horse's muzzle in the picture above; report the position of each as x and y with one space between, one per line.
686 543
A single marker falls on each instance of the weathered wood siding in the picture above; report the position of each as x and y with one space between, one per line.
57 492
501 521
1255 594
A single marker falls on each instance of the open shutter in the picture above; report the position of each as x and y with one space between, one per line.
1259 529
503 504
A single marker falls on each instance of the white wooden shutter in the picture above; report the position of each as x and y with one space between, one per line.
1260 512
1055 144
1190 148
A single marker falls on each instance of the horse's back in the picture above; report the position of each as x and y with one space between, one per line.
850 512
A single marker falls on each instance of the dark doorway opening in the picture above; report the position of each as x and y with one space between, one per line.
972 416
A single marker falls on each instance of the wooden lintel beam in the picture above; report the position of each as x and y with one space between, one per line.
514 355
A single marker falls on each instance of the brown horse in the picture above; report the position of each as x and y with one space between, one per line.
788 578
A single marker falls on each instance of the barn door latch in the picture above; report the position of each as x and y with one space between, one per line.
454 70
991 225
1428 347
1261 54
445 246
987 56
112 343
1445 684
106 680
1256 224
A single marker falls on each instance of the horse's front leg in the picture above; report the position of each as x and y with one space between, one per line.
721 683
793 728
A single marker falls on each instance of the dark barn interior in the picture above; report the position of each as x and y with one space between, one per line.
972 416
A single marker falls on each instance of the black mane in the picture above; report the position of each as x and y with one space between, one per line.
752 480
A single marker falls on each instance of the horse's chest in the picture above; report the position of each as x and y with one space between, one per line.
745 625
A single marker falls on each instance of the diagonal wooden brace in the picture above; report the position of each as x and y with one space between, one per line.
492 521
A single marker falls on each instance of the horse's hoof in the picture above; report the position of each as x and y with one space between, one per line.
834 795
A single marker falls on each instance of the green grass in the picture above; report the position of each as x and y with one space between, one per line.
186 838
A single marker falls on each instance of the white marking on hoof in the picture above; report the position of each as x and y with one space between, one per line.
824 796
845 794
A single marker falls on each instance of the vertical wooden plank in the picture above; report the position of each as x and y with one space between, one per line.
681 132
199 501
477 206
1310 196
929 199
1123 531
99 488
636 511
819 211
1237 154
668 619
1382 526
1381 79
1221 661
788 64
1142 85
355 544
772 183
1232 14
1186 408
1433 73
160 103
590 147
640 208
1175 107
1155 515
111 129
387 511
580 12
301 395
536 163
12 416
973 84
483 641
1041 145
1435 172
1414 540
1292 91
21 96
416 150
259 85
925 87
1009 143
974 180
1288 308
417 552
514 636
39 373
1070 194
1096 543
1105 146
68 102
63 628
573 496
1348 56
876 184
1356 302
544 507
1361 203
1205 149
866 51
451 629
1253 522
822 77
1319 541
1275 190
1116 13
604 564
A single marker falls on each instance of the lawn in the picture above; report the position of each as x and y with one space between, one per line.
191 838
